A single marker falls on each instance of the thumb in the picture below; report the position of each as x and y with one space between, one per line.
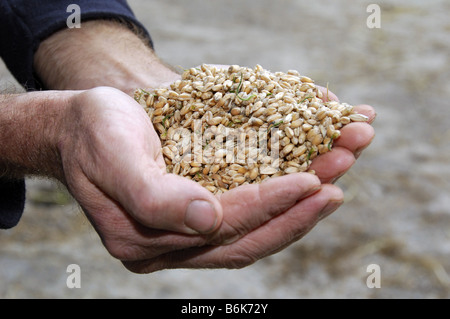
172 202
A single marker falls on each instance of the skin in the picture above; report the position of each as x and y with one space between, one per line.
91 135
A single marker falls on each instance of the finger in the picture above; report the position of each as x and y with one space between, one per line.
268 239
355 137
174 203
124 237
245 208
333 164
249 206
366 110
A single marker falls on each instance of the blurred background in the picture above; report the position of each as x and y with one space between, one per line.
397 209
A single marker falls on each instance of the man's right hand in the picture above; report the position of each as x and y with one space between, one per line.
152 220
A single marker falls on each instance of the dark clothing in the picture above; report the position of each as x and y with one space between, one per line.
12 202
23 25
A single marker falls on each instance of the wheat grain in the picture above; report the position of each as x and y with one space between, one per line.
246 125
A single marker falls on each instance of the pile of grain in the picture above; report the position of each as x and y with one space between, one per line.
228 127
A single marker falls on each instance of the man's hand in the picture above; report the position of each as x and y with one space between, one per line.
114 168
260 220
151 220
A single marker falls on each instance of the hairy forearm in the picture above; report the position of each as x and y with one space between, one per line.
100 53
28 133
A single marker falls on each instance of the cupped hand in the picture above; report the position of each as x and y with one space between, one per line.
112 164
152 220
260 220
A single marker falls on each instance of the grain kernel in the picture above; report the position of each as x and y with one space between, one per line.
241 99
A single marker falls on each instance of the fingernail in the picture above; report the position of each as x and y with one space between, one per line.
329 208
200 216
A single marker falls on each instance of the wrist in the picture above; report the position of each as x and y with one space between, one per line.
29 133
112 55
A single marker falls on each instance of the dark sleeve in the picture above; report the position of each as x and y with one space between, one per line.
12 202
25 23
